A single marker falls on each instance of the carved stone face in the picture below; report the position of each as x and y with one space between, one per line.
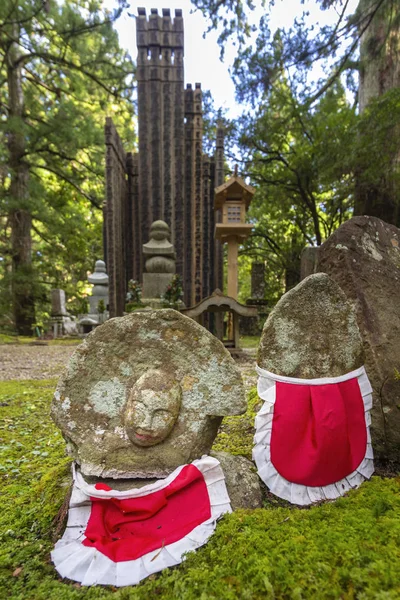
152 408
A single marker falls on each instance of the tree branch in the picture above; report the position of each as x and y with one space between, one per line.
71 183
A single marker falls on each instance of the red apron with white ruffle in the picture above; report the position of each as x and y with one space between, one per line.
312 438
120 537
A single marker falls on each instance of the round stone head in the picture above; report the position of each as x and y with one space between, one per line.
159 230
152 408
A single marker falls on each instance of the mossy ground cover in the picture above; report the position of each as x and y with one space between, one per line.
349 549
249 341
20 339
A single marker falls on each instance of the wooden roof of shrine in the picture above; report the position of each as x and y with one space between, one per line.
217 302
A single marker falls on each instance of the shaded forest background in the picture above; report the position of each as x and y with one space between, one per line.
318 148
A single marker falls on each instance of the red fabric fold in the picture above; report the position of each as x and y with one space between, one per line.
319 432
127 529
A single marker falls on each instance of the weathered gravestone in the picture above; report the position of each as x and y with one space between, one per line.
144 394
363 257
312 332
61 321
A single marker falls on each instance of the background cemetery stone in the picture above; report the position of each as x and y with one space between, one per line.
312 332
363 257
61 321
58 303
91 396
254 325
99 279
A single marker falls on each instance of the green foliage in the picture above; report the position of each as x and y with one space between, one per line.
249 341
101 307
74 74
347 549
134 295
19 339
299 162
374 157
174 293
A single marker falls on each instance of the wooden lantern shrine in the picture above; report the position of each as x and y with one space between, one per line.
233 199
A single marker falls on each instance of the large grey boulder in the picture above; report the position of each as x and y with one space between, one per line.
363 257
312 332
144 394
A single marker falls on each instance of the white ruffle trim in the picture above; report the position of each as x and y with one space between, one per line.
90 567
278 485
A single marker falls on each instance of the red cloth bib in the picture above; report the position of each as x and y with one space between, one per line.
318 432
128 529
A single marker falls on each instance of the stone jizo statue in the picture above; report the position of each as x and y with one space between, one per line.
152 408
144 394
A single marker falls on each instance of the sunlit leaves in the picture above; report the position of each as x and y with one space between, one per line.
74 74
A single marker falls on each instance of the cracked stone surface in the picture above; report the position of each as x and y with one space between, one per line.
363 257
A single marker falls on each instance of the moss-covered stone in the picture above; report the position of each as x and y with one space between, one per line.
96 404
348 549
312 332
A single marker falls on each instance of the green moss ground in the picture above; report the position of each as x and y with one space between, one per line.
249 341
236 433
349 549
15 339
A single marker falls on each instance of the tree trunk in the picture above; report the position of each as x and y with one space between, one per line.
20 217
379 73
293 266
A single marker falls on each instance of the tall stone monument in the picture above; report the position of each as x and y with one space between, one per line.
170 178
159 256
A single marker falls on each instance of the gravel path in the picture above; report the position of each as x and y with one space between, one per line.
20 361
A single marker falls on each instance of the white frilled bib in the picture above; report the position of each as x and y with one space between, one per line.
310 430
106 527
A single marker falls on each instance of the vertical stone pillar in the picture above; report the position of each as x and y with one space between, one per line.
309 261
166 117
115 218
212 186
160 80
